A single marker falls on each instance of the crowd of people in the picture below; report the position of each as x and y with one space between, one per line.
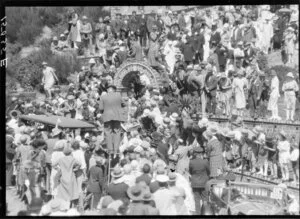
155 151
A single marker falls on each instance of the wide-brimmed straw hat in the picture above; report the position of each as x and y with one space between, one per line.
290 74
162 178
117 173
135 193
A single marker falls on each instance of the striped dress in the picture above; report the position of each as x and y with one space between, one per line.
214 152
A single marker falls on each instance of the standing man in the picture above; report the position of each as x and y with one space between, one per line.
198 44
143 29
151 22
211 84
274 95
133 23
199 171
237 34
111 107
49 79
290 87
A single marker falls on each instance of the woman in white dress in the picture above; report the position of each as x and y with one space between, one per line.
56 155
274 95
170 55
75 31
206 33
284 155
238 85
101 45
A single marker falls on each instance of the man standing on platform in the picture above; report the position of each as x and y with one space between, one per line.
111 107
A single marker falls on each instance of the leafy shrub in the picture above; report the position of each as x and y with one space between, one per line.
24 24
29 69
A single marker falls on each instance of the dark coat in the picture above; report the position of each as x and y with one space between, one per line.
144 177
212 85
199 170
222 55
10 151
154 186
142 22
215 37
96 179
118 191
133 24
150 23
198 42
249 53
162 149
160 25
111 104
188 51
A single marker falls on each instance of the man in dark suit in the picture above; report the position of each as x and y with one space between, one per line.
211 84
150 22
199 170
133 23
142 28
198 41
111 106
159 23
188 51
215 36
117 189
237 34
161 147
96 180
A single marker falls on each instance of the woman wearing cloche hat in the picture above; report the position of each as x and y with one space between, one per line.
214 151
290 87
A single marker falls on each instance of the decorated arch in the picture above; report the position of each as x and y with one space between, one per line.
130 68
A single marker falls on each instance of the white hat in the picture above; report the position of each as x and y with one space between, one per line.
290 29
84 17
92 61
203 122
290 74
55 38
162 178
174 116
62 35
78 138
101 36
44 63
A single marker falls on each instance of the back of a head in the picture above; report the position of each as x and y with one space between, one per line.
75 145
127 168
146 168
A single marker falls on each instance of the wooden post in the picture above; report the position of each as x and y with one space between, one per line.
108 177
